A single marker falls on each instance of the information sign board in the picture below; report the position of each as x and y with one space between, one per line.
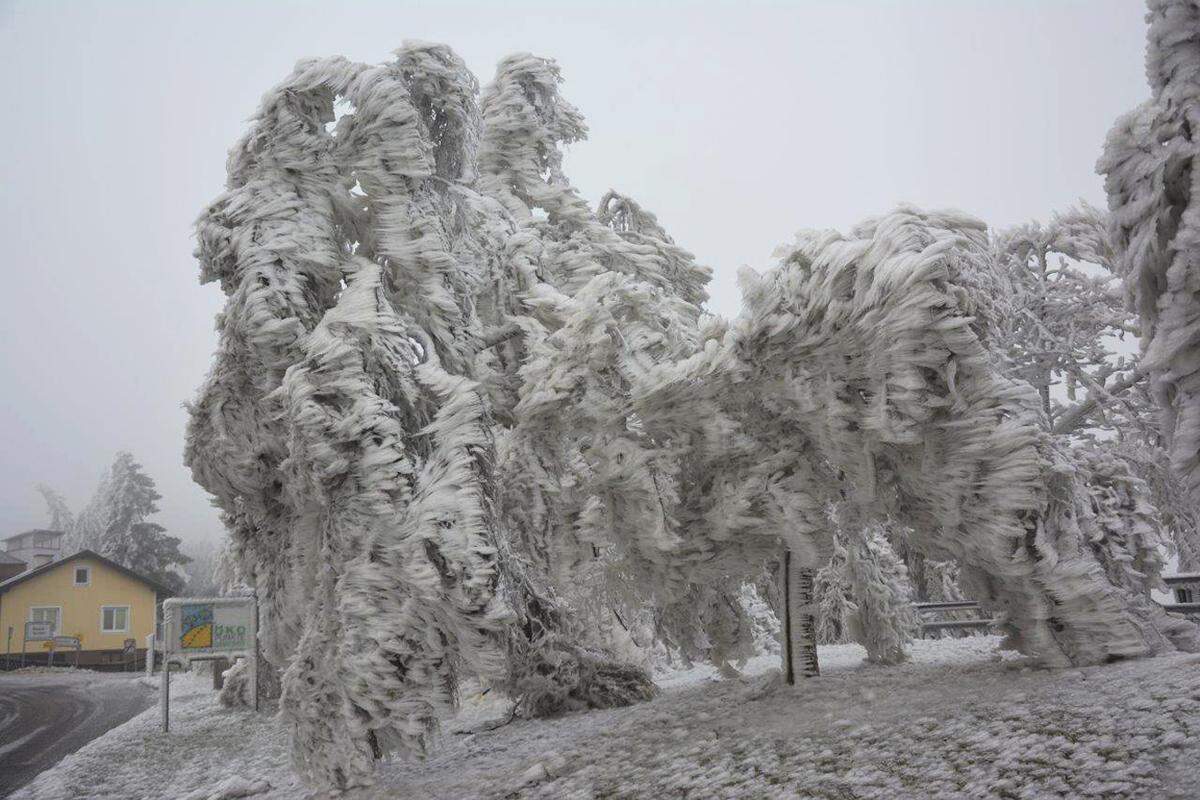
205 629
39 631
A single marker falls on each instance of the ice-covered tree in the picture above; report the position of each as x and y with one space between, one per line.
1064 317
349 425
61 517
352 462
878 581
203 569
1149 164
149 551
126 497
92 520
882 342
457 420
114 523
835 608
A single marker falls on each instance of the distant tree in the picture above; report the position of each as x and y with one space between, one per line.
114 523
204 565
127 497
61 518
147 550
92 519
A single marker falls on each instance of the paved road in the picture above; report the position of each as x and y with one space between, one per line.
46 717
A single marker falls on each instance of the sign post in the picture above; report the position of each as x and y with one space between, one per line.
37 632
8 649
206 629
65 641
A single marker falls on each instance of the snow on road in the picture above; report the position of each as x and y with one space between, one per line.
959 721
46 714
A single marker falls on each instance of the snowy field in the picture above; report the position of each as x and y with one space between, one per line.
959 721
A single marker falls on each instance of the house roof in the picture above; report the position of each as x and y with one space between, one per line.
26 533
81 555
5 558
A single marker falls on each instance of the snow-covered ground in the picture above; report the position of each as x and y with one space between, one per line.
959 721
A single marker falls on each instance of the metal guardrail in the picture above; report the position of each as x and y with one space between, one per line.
949 605
934 626
952 624
939 625
1190 609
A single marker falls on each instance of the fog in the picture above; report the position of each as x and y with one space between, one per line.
737 123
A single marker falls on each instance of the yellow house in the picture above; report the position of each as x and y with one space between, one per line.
86 596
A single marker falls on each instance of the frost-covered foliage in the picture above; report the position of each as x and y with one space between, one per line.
885 618
459 422
940 581
877 339
605 443
238 687
202 570
1151 176
348 427
1063 310
764 623
353 466
61 517
1127 538
835 608
1064 317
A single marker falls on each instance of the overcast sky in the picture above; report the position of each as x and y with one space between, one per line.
736 123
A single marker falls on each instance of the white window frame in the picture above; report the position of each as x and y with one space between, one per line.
59 609
128 619
75 575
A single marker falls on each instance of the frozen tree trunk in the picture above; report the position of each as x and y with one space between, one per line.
798 619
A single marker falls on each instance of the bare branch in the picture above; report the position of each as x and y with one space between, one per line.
1074 416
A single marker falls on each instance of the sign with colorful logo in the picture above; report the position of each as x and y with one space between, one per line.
210 626
196 628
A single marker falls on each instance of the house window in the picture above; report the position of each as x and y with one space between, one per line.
47 614
1183 595
114 619
83 576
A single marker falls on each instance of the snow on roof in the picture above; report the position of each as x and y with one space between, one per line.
27 533
1183 577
